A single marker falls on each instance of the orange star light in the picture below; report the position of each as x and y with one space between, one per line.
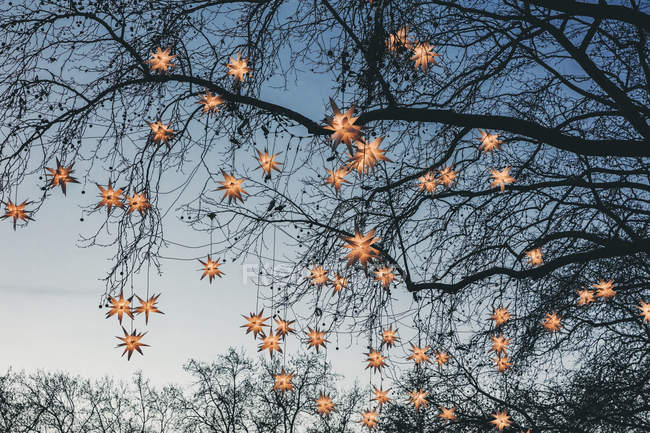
500 315
447 414
255 324
585 297
604 289
360 247
419 354
17 212
423 54
283 381
389 337
501 178
131 342
500 344
284 328
442 358
399 39
645 311
501 420
316 338
336 177
428 182
342 126
535 257
268 162
385 276
148 306
138 202
210 103
370 418
418 398
318 276
489 142
502 363
110 197
324 404
161 60
339 283
381 396
61 175
232 188
447 176
551 322
375 360
238 68
211 269
161 133
270 342
120 307
368 154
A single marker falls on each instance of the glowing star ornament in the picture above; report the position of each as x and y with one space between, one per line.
210 103
211 269
385 276
418 398
147 306
238 67
428 182
389 337
447 413
370 418
501 420
500 316
442 358
255 324
16 212
324 404
337 178
604 289
535 257
161 133
61 175
119 307
368 154
552 322
318 276
419 354
110 197
502 363
381 396
284 328
501 178
342 126
339 283
399 39
447 176
268 162
283 381
375 360
500 344
423 54
489 142
231 188
316 338
585 297
161 60
131 342
361 248
138 202
645 311
270 342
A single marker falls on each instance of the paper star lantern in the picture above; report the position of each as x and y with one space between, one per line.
385 276
255 324
551 322
418 398
368 154
284 328
500 316
489 142
501 178
535 257
336 177
210 103
232 188
268 162
500 344
17 212
389 337
339 283
161 60
148 306
211 269
370 418
238 67
645 311
110 197
381 396
502 363
604 289
428 182
419 354
324 404
316 338
131 343
120 306
138 202
442 358
270 342
447 414
423 54
318 276
361 249
399 39
375 360
501 420
342 126
447 176
585 297
161 133
283 381
61 175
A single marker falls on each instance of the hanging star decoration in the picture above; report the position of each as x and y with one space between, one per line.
442 358
423 54
210 103
138 202
367 155
283 381
211 269
361 248
604 289
161 133
61 175
418 398
500 344
399 39
17 212
131 342
339 283
502 363
645 311
381 396
551 322
501 178
385 276
419 354
255 324
370 418
232 188
318 276
535 257
501 420
375 360
238 67
389 337
585 297
147 306
268 162
337 178
161 60
342 126
428 182
447 176
120 306
270 342
110 197
316 338
324 404
489 142
500 316
447 413
284 328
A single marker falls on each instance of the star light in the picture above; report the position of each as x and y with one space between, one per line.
368 154
604 289
447 414
500 316
110 197
210 102
381 396
645 311
148 306
501 178
61 175
423 54
501 420
161 133
339 283
418 398
389 337
360 247
551 322
399 39
447 176
385 276
17 212
284 328
324 404
232 188
161 60
489 142
369 418
238 68
442 358
337 178
131 343
502 363
268 162
342 126
283 381
318 276
138 202
535 257
419 354
375 360
211 269
500 344
120 306
255 323
316 338
270 342
585 297
428 182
